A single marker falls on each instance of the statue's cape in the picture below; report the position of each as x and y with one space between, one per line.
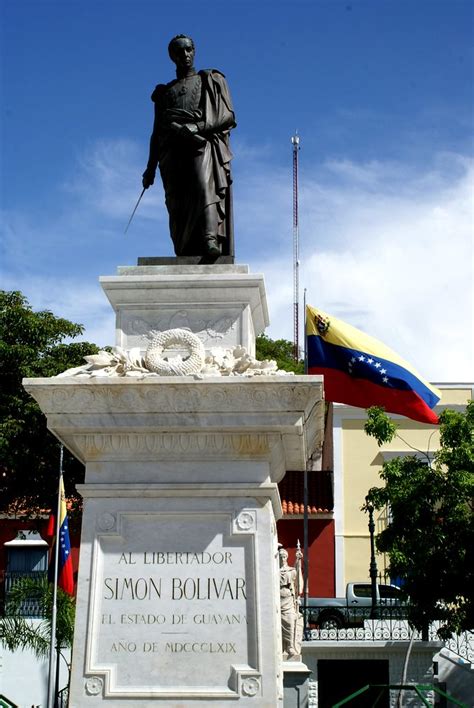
218 108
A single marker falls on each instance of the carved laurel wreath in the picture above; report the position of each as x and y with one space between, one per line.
155 360
217 362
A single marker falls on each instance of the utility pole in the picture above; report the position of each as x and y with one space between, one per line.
296 256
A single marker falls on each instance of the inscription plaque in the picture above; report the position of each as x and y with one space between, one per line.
174 599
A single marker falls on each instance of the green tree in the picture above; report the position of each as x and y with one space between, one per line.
430 535
281 351
32 345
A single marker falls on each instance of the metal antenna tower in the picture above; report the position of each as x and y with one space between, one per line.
296 256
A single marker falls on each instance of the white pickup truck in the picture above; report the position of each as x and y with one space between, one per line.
351 610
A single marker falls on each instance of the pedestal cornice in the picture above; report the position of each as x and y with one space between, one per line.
278 419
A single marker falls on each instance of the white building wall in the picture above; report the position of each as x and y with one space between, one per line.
338 504
24 677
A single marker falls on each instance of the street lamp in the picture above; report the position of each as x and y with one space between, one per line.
373 565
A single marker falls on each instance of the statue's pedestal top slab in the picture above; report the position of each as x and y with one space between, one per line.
224 305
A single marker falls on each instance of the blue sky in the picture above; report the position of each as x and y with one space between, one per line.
381 93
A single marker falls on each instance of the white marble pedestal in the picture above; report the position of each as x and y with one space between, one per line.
224 305
178 593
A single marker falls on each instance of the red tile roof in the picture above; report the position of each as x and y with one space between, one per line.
320 496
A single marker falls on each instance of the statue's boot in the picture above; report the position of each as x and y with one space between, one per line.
211 246
210 222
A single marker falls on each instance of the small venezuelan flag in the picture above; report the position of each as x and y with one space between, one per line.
65 574
361 371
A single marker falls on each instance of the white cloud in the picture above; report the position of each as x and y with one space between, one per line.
396 263
109 181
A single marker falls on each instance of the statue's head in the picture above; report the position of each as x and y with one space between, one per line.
283 555
181 50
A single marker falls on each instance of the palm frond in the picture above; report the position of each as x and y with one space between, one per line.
41 591
18 633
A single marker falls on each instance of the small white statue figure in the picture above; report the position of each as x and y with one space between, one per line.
291 587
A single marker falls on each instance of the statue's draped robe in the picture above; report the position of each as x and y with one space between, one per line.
291 618
195 170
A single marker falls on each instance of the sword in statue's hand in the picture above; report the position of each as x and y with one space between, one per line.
136 207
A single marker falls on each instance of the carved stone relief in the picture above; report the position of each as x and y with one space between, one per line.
213 327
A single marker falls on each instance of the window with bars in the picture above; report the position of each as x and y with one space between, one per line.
26 557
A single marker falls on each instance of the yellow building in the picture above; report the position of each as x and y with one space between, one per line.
357 463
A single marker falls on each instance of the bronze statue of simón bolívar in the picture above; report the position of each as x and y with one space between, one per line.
190 144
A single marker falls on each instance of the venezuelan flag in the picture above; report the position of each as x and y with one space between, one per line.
65 574
361 371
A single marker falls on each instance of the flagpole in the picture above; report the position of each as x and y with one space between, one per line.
52 646
305 496
305 337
